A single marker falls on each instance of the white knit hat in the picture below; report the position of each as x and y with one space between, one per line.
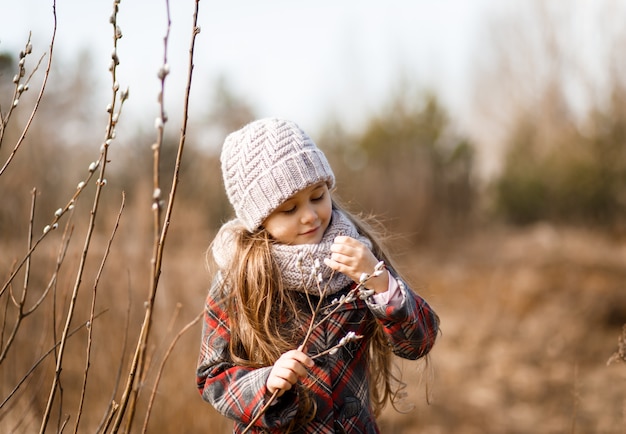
265 163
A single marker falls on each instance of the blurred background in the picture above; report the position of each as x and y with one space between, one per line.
488 137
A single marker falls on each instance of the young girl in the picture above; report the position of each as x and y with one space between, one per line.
298 276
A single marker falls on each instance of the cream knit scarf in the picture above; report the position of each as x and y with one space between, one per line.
297 263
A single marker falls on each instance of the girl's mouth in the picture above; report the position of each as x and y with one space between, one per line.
311 231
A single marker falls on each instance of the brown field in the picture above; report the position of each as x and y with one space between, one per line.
529 319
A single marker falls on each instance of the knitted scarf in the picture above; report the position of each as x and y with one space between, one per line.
297 263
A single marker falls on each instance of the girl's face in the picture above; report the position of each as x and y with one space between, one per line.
303 218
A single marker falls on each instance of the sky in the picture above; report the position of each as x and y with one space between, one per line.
308 61
311 62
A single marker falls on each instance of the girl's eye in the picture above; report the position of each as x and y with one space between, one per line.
320 197
289 210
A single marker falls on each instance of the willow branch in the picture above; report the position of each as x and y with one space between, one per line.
157 258
23 313
101 182
39 97
92 312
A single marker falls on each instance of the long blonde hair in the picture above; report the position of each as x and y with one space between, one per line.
255 294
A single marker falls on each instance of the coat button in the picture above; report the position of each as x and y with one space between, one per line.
339 429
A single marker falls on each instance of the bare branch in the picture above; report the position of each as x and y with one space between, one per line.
41 359
92 311
23 313
114 406
101 182
160 371
139 357
39 97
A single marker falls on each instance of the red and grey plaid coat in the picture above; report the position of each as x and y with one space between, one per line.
339 381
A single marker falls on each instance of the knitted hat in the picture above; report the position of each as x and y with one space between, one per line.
265 163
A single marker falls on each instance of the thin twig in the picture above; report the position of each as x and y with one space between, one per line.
90 324
41 359
20 88
90 230
65 241
114 406
69 207
23 313
5 316
160 371
39 97
138 359
130 399
20 304
351 295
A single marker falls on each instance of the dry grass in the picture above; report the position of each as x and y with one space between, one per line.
529 319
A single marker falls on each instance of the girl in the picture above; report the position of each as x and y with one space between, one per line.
287 345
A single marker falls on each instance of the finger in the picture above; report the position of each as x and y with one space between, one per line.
341 247
344 239
295 361
334 265
281 378
278 383
289 367
301 357
342 258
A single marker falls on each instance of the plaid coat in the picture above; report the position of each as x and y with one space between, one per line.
339 381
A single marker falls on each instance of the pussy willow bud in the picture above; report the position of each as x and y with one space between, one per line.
163 71
316 264
299 260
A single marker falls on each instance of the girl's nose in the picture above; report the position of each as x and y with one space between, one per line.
308 215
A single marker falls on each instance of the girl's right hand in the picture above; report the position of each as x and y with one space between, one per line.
287 370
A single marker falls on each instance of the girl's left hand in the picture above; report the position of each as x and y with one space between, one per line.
353 258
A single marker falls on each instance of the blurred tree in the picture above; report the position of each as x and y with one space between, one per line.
410 166
565 157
